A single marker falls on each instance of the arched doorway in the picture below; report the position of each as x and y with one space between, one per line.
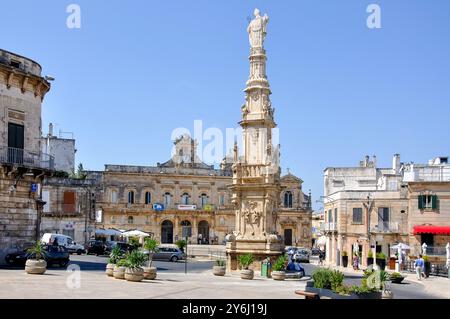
186 224
167 232
288 236
203 230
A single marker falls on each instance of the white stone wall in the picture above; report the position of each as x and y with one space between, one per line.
63 150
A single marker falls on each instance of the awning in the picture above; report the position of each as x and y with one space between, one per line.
427 229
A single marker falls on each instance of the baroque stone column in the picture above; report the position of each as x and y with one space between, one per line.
256 175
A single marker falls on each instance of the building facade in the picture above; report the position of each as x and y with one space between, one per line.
22 164
184 191
368 207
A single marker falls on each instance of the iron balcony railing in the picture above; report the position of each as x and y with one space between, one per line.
23 157
328 227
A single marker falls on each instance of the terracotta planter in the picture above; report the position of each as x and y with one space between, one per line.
219 270
110 269
247 274
36 267
149 273
119 272
134 274
278 275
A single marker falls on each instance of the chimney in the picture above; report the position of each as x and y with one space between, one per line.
375 161
366 161
50 130
396 163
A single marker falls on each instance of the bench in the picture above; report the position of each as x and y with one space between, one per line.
308 295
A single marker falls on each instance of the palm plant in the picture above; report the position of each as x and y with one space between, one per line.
136 259
280 263
220 262
181 244
115 256
37 251
246 260
152 246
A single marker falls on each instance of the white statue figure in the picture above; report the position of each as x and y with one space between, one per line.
424 249
447 248
257 30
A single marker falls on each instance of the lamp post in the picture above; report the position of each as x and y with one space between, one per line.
369 206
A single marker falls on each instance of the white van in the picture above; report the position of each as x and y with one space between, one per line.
63 240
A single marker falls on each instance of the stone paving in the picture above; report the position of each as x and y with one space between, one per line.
55 284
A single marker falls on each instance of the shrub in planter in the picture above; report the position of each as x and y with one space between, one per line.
381 260
181 244
245 261
344 259
119 269
114 257
396 278
35 263
134 270
219 267
427 266
151 245
279 268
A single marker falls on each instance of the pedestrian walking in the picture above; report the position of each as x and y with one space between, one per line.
321 257
356 262
419 265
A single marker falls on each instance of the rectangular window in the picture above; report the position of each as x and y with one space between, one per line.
428 202
69 202
330 216
46 199
335 215
357 215
222 200
113 197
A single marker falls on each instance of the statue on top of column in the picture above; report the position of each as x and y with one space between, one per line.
257 30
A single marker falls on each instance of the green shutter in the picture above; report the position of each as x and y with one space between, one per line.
420 202
434 202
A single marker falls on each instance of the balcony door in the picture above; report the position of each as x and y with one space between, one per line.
15 143
383 218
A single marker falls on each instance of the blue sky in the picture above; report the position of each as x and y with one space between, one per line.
138 69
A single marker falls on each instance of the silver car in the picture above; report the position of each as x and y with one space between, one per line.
301 255
169 254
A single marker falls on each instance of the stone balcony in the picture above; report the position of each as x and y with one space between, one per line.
328 227
26 158
385 227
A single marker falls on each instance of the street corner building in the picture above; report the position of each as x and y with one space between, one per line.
367 206
23 164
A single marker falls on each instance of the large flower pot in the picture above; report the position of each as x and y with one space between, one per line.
134 274
119 272
110 269
369 261
149 273
381 263
278 275
345 261
397 280
37 267
427 269
247 274
387 294
219 270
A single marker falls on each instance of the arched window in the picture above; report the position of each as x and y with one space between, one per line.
288 199
148 198
203 200
167 199
185 199
130 197
130 220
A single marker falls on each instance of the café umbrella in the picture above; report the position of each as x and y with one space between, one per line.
135 233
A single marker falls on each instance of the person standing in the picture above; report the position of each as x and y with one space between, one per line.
355 261
419 264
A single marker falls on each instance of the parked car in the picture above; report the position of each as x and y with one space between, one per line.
169 254
54 255
63 240
96 247
301 255
18 254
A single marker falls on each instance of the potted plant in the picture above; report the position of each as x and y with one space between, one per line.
114 257
151 245
35 263
134 270
370 258
344 259
427 266
381 260
279 268
181 244
134 243
396 278
119 269
219 267
245 261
